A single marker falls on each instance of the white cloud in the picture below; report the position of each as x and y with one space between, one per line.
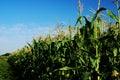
13 37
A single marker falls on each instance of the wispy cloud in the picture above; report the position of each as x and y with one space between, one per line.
13 37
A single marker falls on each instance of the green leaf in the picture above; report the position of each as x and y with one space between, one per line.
112 15
97 12
66 68
29 45
58 45
86 75
64 50
93 61
115 52
81 59
79 20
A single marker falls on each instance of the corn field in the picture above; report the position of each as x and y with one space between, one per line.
92 53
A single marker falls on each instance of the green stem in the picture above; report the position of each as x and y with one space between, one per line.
96 47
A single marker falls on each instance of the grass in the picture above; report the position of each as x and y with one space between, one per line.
5 70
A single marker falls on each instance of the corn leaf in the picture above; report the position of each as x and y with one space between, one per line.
66 68
112 15
79 20
97 12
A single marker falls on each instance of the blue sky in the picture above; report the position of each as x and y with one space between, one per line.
21 20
